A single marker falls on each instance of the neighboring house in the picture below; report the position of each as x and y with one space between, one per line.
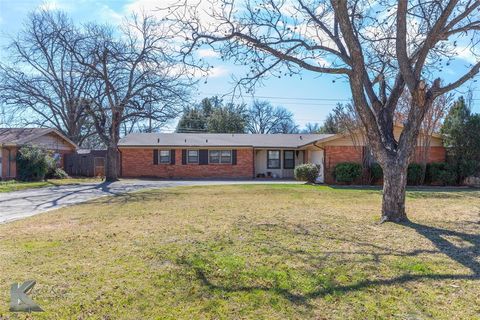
11 139
247 156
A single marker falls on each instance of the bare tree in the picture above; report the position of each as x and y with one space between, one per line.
313 128
42 82
381 47
431 123
264 118
134 75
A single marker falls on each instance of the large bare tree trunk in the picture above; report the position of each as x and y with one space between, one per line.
394 187
111 166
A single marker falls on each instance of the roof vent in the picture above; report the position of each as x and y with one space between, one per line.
185 140
158 140
301 138
206 140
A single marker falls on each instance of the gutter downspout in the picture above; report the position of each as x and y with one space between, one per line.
324 159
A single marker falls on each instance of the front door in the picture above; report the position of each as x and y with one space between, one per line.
317 158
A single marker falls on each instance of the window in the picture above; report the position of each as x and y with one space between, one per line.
288 159
220 156
192 156
226 156
164 156
273 159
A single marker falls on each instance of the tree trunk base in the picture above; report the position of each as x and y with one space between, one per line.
395 219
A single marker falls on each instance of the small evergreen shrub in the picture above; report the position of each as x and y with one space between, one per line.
347 172
376 172
448 177
58 173
414 174
306 172
468 168
33 163
441 173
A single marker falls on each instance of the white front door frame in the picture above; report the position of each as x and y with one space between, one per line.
316 157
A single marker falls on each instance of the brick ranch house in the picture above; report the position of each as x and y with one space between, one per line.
11 139
245 156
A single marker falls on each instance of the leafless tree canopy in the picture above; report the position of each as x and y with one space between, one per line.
133 75
41 83
380 46
264 118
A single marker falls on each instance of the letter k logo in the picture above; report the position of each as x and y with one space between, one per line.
19 301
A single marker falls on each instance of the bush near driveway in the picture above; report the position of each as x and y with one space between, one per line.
34 163
306 172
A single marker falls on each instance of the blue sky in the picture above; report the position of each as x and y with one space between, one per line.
310 99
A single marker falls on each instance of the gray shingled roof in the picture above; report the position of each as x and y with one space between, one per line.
219 140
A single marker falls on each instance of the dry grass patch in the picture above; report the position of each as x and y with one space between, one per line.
13 185
249 251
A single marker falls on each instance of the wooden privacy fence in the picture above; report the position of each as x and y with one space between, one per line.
90 164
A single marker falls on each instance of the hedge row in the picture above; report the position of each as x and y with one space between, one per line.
436 173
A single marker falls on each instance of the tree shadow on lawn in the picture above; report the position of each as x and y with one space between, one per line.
432 189
467 256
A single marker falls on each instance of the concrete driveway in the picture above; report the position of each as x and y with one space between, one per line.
21 204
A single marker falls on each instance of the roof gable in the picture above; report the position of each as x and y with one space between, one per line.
21 136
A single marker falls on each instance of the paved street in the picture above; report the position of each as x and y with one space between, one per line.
20 204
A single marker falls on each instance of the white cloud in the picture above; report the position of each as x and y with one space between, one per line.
207 53
148 6
218 72
465 53
52 5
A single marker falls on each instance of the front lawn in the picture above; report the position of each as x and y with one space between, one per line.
249 251
13 185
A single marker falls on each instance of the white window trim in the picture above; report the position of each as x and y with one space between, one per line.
220 157
279 159
198 156
160 156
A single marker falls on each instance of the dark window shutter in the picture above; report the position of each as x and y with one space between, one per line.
184 156
203 156
172 156
155 156
234 157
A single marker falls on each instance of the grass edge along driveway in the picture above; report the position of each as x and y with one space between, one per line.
14 185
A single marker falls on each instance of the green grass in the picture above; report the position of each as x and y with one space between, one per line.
250 252
13 185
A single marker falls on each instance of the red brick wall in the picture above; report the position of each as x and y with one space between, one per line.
139 163
437 154
337 154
